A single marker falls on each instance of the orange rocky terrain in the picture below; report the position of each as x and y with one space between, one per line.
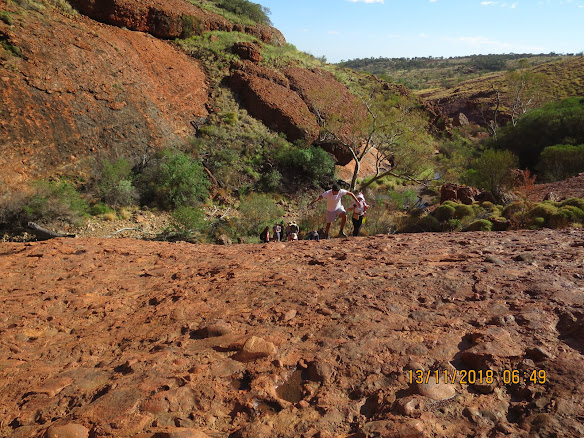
126 338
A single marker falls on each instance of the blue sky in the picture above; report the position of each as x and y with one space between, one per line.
348 29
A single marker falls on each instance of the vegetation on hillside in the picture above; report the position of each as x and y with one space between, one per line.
557 123
421 73
237 11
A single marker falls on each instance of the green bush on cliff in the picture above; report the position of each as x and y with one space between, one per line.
306 166
244 8
574 202
6 17
173 179
114 183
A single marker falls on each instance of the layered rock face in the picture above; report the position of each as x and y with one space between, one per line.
82 88
434 335
168 19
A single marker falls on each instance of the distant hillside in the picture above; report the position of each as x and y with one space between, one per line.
422 73
561 78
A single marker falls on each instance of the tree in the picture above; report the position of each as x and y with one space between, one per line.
492 171
525 90
376 120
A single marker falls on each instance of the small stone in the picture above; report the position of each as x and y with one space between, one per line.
68 431
538 354
303 404
472 414
255 348
494 260
502 320
437 390
290 314
484 388
410 406
54 387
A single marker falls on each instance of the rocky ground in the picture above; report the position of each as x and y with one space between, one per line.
127 338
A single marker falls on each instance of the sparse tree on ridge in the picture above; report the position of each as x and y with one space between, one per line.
525 90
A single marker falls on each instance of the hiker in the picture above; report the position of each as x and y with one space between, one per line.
292 236
283 228
359 208
277 229
265 235
334 207
313 235
293 228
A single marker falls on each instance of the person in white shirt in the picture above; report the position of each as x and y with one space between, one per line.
334 207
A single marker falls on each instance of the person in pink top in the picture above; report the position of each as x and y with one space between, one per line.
359 208
334 207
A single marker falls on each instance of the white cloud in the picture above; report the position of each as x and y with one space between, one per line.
433 1
334 32
366 1
488 3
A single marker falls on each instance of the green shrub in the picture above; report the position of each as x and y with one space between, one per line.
11 48
173 179
538 222
512 209
560 219
230 118
544 210
114 183
257 211
55 200
312 165
187 222
6 17
574 213
253 11
561 161
99 209
454 224
574 202
444 212
428 223
480 225
271 181
190 26
492 171
462 211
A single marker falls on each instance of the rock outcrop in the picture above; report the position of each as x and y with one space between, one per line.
81 89
463 194
168 19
